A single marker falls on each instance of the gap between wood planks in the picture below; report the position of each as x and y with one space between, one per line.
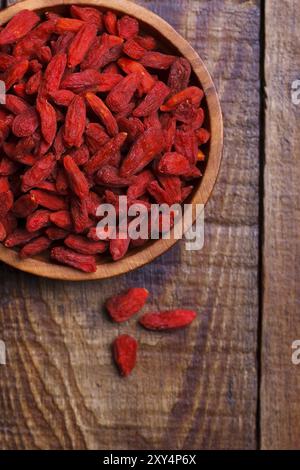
261 218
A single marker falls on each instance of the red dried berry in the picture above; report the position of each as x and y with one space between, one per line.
168 320
35 247
85 263
125 352
123 306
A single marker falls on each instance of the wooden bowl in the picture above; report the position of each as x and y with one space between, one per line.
171 41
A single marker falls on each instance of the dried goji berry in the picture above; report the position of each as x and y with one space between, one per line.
133 49
128 27
75 122
110 22
118 247
83 245
153 100
18 26
168 320
179 75
19 237
25 205
54 72
147 42
37 220
173 163
81 155
2 232
186 144
64 25
203 136
77 180
35 247
139 187
123 306
131 66
6 60
15 104
38 172
49 200
79 214
62 97
157 60
103 156
85 263
122 93
81 44
148 146
125 353
62 219
132 126
34 83
25 123
6 202
56 233
87 14
193 94
96 136
48 120
109 176
102 111
44 54
15 73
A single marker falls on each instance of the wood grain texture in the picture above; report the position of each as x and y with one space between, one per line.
191 389
280 387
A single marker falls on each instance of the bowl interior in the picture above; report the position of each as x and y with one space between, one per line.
170 42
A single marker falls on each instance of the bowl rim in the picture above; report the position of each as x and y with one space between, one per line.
147 254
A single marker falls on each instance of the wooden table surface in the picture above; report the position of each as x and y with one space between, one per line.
229 381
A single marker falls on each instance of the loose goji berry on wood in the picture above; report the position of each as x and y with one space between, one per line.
168 320
123 306
125 352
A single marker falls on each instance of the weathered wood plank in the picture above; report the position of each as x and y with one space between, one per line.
280 387
192 389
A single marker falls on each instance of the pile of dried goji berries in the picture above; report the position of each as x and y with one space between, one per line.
93 111
123 306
